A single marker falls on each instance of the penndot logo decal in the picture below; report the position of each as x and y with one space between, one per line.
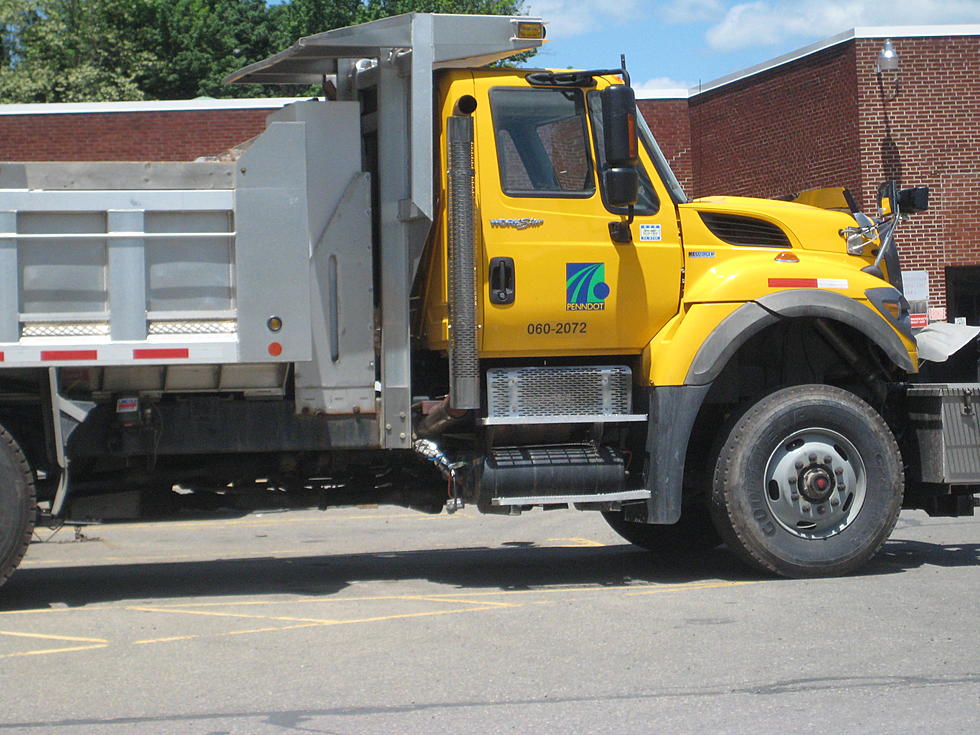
585 287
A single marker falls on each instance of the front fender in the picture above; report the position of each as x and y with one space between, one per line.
752 317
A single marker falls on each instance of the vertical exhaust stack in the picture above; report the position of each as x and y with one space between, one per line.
464 364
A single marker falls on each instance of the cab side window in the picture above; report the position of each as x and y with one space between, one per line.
542 142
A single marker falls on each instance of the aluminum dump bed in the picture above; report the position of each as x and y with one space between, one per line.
111 263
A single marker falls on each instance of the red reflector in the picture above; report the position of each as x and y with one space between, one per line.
53 355
161 354
275 349
1 357
792 283
919 320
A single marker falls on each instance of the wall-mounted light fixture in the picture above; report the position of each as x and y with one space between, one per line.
888 62
887 58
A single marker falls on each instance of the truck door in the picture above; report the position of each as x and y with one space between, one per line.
554 282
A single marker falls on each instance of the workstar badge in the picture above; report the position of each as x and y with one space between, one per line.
585 287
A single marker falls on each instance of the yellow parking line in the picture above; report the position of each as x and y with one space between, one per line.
428 598
53 650
319 624
681 588
165 640
270 630
210 613
577 542
53 637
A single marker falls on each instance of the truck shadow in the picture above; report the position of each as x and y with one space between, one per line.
519 566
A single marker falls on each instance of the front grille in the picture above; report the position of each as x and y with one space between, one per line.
559 391
746 231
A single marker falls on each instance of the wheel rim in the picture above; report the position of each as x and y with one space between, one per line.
815 483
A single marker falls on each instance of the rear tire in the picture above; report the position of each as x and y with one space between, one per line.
693 532
808 483
17 505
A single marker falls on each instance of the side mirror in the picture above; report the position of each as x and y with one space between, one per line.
621 185
913 200
888 198
620 145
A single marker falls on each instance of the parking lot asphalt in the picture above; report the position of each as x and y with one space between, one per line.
388 621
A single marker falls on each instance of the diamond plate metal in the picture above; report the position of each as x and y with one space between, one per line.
194 327
559 391
65 329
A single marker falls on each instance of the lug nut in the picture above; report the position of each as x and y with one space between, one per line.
827 460
841 486
821 509
799 465
805 508
792 479
795 496
838 470
813 457
835 502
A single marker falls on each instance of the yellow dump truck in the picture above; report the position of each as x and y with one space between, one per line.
445 284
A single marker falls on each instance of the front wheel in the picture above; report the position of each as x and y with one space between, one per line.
808 483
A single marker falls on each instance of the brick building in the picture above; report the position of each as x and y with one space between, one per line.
822 116
130 131
819 116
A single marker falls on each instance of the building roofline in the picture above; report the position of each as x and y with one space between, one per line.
661 94
972 29
201 103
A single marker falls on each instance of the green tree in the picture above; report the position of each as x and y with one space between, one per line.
68 50
196 43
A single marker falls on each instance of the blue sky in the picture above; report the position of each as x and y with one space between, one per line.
679 43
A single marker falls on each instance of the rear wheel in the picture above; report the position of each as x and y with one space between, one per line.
16 505
808 483
693 532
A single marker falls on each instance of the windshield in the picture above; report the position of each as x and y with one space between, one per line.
660 161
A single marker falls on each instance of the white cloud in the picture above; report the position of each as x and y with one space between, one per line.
573 18
767 22
659 85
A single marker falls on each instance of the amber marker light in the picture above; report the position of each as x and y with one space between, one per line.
274 324
530 30
785 257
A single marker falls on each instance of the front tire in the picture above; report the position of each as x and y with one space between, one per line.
808 483
17 505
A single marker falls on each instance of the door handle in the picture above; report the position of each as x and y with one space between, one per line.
501 280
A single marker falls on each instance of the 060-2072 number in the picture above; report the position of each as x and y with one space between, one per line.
556 328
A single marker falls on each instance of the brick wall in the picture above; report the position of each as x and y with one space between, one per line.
180 135
825 120
926 131
791 128
671 126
